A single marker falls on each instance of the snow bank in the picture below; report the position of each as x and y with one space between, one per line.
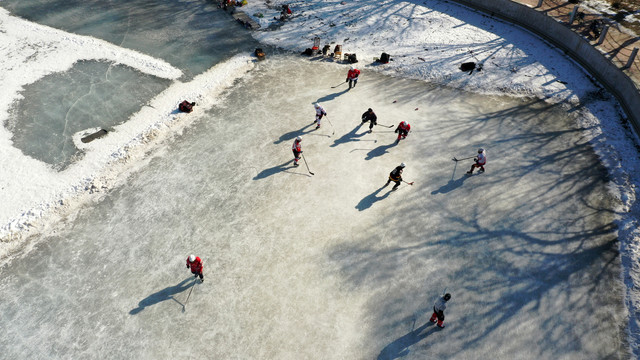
34 195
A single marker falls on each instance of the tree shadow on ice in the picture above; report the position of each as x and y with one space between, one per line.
372 198
163 295
539 233
292 134
400 347
276 169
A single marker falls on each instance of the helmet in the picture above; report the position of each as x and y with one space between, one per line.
298 138
370 109
351 68
316 105
192 258
447 297
403 165
480 150
404 123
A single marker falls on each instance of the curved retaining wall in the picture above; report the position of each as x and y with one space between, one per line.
614 79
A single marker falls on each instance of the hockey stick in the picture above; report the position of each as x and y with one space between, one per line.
334 129
188 296
387 126
454 158
410 183
305 162
333 87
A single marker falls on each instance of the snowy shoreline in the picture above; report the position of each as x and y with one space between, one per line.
34 195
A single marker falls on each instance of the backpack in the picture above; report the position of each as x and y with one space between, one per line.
384 58
186 106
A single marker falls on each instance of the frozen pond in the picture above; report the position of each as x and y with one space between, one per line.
191 35
333 266
92 94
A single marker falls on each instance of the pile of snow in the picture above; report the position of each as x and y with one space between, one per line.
33 194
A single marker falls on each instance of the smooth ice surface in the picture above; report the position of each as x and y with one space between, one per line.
333 266
90 95
192 35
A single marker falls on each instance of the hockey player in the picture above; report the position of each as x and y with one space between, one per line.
352 77
438 310
369 115
297 150
396 176
480 161
195 263
319 114
402 130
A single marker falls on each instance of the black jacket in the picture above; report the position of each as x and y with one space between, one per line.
369 116
396 174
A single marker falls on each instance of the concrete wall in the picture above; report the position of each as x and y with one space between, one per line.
614 79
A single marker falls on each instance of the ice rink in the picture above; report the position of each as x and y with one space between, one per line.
333 266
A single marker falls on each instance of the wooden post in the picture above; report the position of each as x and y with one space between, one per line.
603 35
631 58
573 14
539 3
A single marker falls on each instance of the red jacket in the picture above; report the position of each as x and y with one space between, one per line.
352 74
196 265
405 128
297 146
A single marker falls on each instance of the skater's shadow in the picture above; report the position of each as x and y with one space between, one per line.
372 198
452 184
276 169
292 134
380 150
400 347
332 96
162 295
350 136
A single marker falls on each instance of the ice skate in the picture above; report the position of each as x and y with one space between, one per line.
370 131
441 326
469 172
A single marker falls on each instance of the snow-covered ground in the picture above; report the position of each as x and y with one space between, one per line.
379 243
